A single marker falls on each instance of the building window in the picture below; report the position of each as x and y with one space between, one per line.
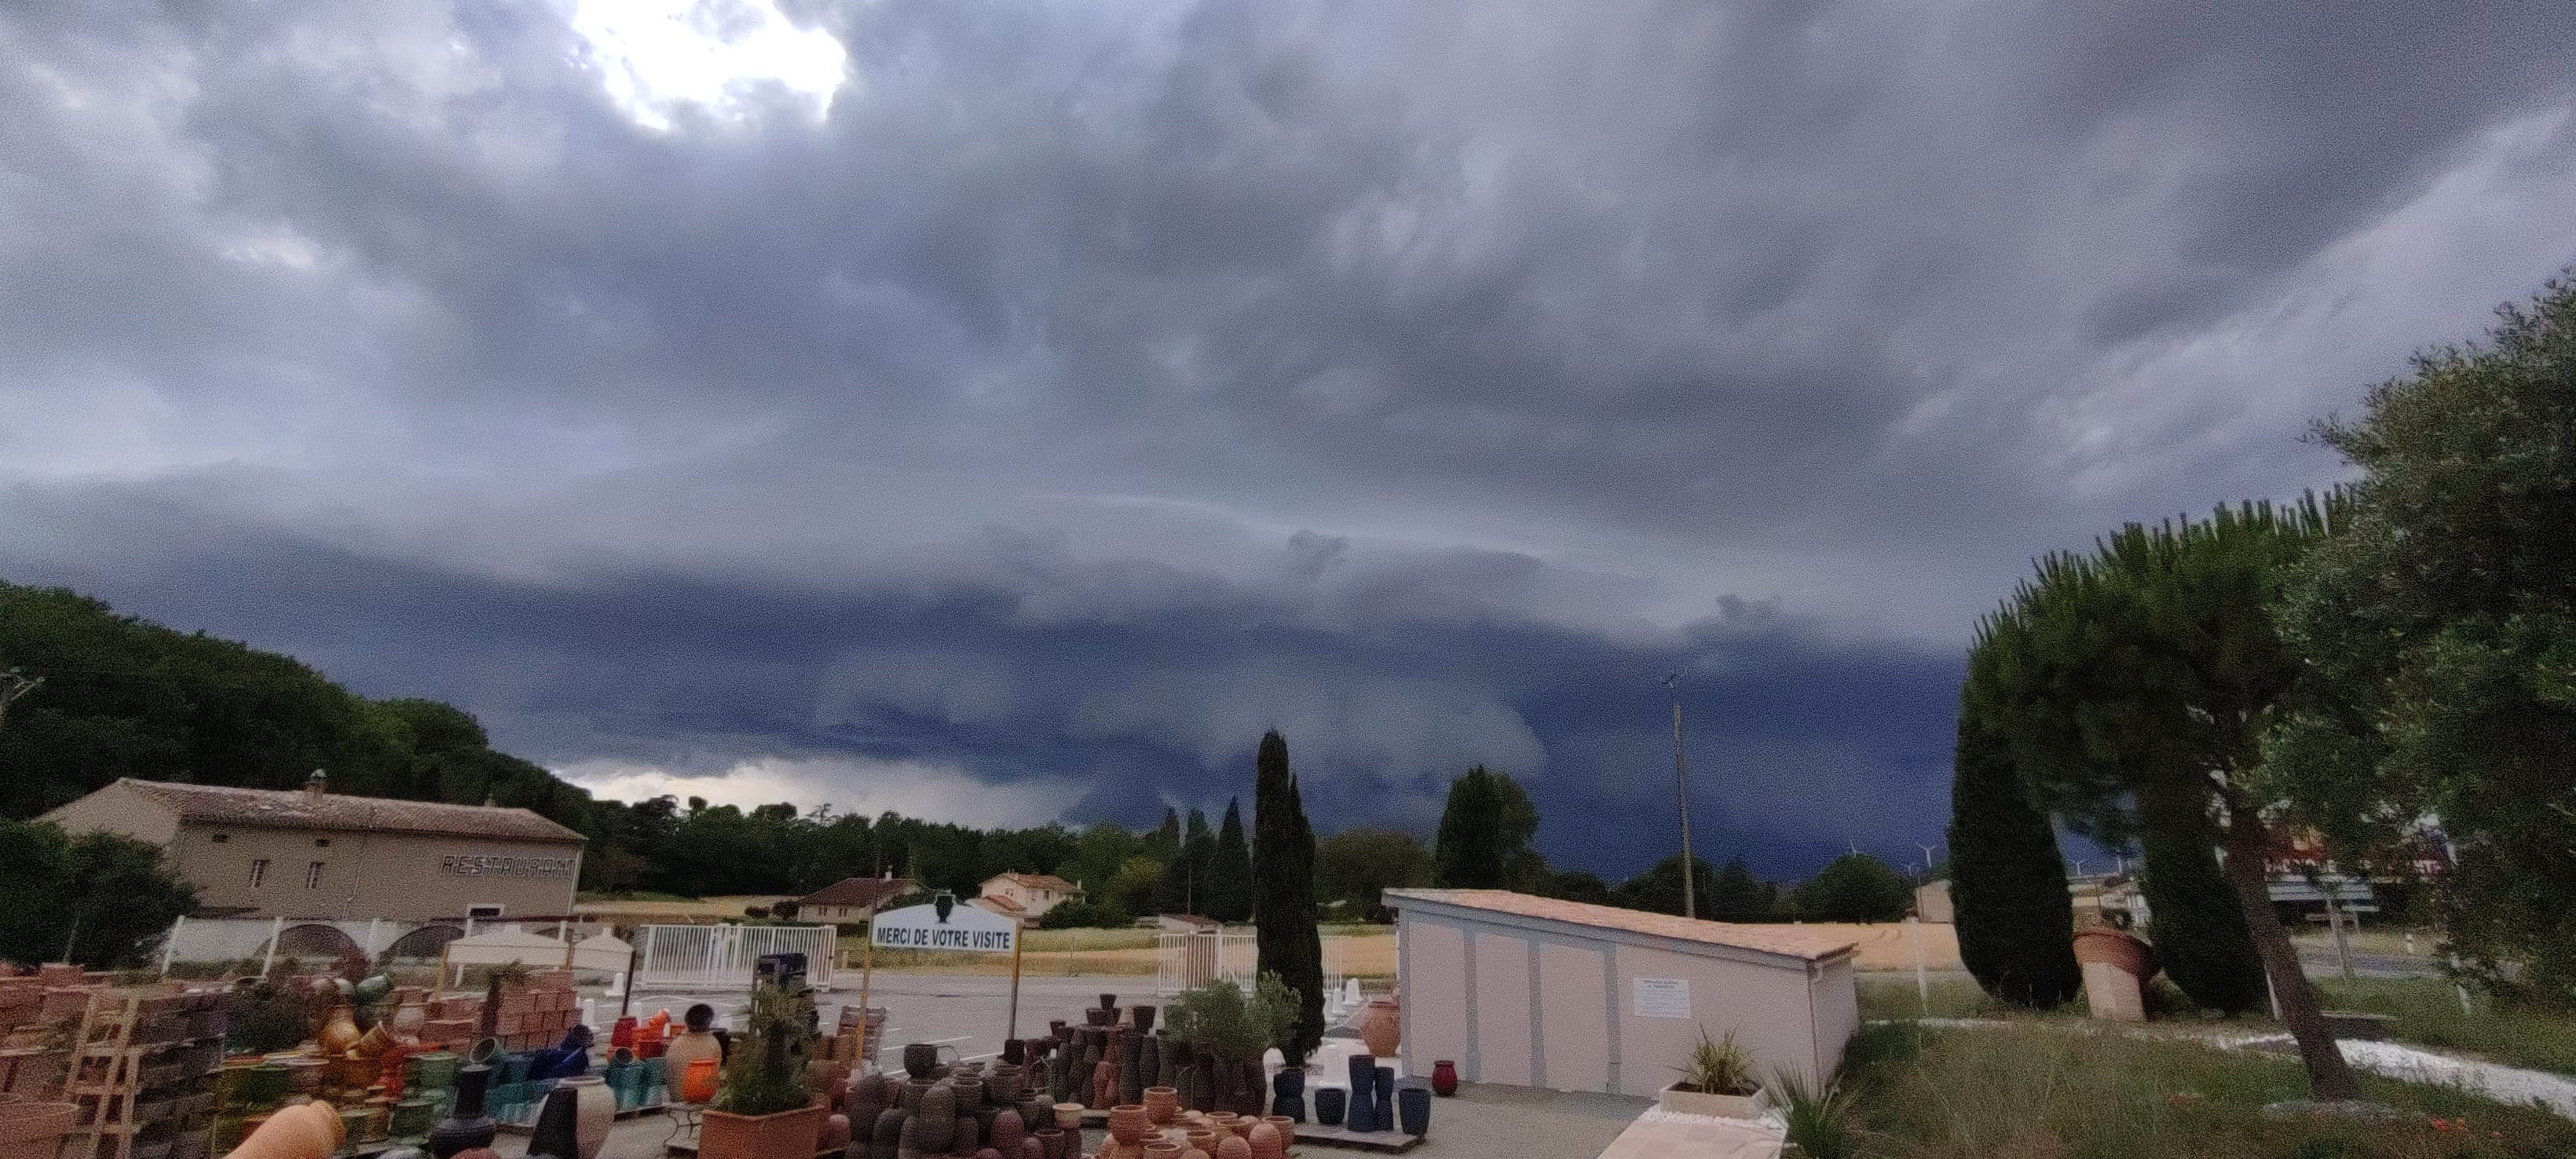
313 876
482 911
220 838
258 872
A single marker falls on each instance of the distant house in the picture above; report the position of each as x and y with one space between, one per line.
1026 896
852 899
1183 924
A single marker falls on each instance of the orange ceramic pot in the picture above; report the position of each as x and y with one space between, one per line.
1266 1143
1068 1116
1382 1027
1233 1147
339 1033
1162 1104
698 1083
1128 1124
302 1131
1287 1128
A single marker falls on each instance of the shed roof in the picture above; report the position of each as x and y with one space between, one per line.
1786 941
294 809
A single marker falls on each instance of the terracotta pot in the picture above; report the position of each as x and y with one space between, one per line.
1200 1138
35 1130
1287 1128
1128 1124
1163 1149
1382 1027
836 1133
1162 1104
2117 948
785 1135
1233 1147
697 1083
1266 1143
339 1032
1068 1116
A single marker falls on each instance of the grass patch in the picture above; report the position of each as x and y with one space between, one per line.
2050 1089
1895 998
2427 1012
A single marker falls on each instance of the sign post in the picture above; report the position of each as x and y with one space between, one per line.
946 925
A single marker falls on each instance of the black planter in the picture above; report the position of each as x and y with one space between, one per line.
1288 1093
1413 1106
1361 1114
919 1059
1143 1016
558 1129
466 1126
1329 1104
1383 1114
1015 1052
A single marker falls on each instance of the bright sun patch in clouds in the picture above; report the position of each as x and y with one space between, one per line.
860 785
656 55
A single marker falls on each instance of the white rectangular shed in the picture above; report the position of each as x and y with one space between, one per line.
1534 991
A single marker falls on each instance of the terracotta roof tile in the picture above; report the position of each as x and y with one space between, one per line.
1039 881
294 809
861 892
1787 940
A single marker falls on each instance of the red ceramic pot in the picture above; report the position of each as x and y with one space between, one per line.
1444 1078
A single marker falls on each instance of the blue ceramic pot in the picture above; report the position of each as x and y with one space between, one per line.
1382 1116
1413 1106
1361 1111
1329 1104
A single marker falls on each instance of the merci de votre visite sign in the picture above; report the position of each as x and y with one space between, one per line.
965 927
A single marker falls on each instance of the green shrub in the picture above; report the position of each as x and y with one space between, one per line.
1819 1122
766 1072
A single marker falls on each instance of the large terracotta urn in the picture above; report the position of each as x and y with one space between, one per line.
2119 948
35 1130
1382 1027
597 1112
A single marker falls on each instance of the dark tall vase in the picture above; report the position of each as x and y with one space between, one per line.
1383 1114
1250 1092
1288 1093
1363 1096
1143 1016
1413 1106
466 1126
558 1129
919 1058
1329 1103
1203 1085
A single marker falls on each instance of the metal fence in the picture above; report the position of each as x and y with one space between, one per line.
722 957
1185 960
269 940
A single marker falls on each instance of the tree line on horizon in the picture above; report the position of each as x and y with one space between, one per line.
2371 668
124 697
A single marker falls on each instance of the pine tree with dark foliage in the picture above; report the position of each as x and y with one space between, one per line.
1229 875
2007 880
1283 877
1485 831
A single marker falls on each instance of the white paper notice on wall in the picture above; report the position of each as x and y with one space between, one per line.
1662 997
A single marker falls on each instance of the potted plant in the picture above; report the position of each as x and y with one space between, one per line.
1228 1032
1716 1081
763 1109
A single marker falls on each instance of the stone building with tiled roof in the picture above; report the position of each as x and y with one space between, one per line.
315 854
852 899
1026 896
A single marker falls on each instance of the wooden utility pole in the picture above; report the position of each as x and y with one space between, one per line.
1681 787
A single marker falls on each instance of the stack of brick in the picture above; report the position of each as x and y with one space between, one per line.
452 1020
535 1011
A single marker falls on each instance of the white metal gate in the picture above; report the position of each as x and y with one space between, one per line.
722 957
1185 960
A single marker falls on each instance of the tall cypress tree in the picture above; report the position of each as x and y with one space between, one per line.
1229 879
1283 878
2201 938
2007 878
1167 838
1184 886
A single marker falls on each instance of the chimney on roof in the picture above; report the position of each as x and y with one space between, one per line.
317 784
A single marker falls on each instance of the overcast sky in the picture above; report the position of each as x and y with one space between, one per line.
1002 410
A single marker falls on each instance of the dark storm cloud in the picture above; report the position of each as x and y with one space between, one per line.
1100 383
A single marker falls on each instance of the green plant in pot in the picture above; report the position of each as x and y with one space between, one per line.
1716 1080
763 1108
1229 1032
